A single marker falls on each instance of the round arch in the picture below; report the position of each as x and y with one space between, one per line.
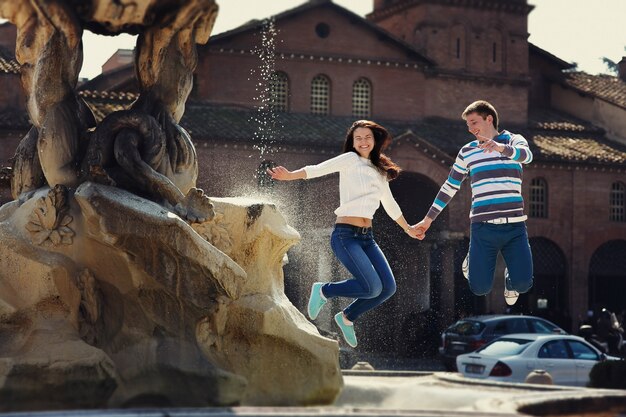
607 276
549 295
402 325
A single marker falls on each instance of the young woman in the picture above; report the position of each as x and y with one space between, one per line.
364 175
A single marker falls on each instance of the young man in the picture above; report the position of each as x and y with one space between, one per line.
494 164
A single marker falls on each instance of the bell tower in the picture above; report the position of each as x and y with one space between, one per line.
466 36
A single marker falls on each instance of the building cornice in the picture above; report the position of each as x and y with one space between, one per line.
476 77
336 59
507 6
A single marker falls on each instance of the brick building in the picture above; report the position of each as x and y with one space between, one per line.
285 90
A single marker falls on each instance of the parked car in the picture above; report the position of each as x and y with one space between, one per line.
471 333
567 358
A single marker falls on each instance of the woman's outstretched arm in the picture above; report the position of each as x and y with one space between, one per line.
283 174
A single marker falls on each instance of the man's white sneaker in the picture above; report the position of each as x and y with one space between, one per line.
465 266
510 296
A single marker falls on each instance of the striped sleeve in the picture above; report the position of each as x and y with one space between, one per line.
518 150
457 175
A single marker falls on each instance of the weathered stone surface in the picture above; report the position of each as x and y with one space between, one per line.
262 336
143 149
51 368
156 313
128 288
114 294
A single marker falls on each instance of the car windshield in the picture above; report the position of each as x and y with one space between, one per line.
540 326
467 327
505 347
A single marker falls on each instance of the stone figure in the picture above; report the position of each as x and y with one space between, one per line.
102 289
148 152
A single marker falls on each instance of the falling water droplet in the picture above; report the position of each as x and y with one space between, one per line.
265 119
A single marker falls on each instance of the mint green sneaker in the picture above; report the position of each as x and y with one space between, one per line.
316 301
347 330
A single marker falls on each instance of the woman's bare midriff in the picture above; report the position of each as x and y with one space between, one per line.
355 221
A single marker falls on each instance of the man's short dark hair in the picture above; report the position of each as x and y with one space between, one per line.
483 109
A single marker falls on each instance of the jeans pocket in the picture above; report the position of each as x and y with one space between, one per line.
342 234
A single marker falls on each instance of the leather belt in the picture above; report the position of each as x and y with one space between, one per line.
505 220
357 229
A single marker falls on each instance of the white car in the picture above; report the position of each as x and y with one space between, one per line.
568 359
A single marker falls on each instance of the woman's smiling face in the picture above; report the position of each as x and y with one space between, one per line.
363 141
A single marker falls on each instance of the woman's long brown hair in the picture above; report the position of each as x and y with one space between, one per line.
382 138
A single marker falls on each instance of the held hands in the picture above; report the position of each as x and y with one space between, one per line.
415 233
421 228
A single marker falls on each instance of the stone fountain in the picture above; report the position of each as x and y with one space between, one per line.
121 284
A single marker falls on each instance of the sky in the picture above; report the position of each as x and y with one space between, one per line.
580 31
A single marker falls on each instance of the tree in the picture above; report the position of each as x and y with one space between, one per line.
611 66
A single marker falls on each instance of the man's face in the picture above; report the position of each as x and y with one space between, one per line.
479 127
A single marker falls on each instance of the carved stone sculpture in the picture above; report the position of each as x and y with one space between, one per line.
152 310
144 150
118 278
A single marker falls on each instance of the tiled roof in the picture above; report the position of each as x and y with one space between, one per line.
9 66
548 119
553 136
558 137
108 95
105 102
606 87
577 149
242 125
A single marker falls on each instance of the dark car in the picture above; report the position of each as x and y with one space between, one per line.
468 334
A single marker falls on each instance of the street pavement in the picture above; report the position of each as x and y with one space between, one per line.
402 393
445 393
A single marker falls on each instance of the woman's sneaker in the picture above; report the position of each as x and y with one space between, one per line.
316 301
347 330
510 296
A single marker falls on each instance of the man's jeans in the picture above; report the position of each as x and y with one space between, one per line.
373 281
486 240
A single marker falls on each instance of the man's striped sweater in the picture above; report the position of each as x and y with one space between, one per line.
496 179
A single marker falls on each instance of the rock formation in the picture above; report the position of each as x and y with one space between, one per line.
122 300
121 284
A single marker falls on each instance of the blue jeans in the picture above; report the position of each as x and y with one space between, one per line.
373 281
486 240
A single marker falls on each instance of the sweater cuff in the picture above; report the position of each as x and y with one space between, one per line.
433 213
508 151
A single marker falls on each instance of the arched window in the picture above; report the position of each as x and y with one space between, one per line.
538 198
279 91
320 95
617 203
361 98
